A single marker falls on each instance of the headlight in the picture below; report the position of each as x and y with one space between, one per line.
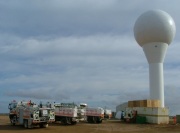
52 112
36 116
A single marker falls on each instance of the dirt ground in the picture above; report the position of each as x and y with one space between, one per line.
108 126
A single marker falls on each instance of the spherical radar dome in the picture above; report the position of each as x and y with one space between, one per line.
154 26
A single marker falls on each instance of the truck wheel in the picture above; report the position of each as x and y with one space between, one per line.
12 121
41 125
25 124
91 119
99 120
30 126
68 120
73 122
94 119
45 125
64 121
88 119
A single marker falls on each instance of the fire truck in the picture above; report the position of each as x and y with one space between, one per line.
90 114
29 114
94 115
107 113
70 113
66 113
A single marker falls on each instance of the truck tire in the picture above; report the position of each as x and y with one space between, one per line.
25 124
30 126
89 119
69 120
95 119
73 122
64 121
45 125
12 122
42 125
99 120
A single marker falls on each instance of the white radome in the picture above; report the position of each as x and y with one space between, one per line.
154 30
154 26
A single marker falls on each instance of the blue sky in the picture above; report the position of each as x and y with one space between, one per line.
80 51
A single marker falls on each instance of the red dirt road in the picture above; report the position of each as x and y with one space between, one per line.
108 126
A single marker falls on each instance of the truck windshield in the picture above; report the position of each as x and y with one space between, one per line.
12 105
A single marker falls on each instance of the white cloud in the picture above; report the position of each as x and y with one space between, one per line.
79 50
